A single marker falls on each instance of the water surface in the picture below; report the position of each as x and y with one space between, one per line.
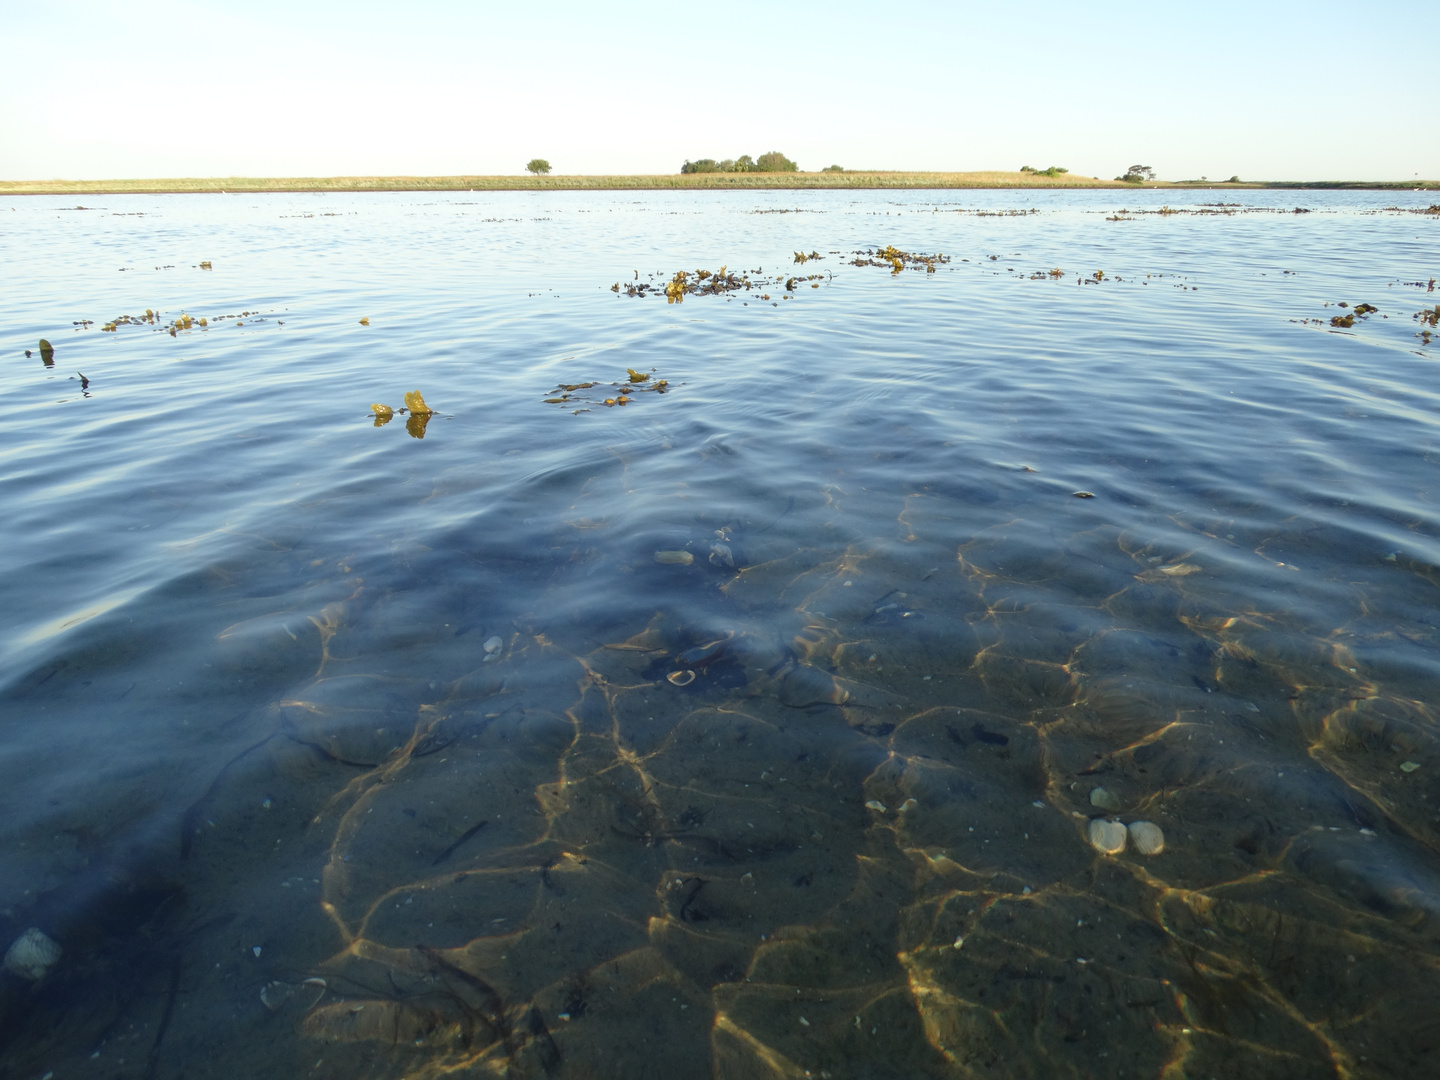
337 748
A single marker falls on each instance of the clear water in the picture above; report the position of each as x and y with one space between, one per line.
289 695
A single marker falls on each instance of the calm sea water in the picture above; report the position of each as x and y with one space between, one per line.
754 728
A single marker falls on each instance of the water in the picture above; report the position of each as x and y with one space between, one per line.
290 695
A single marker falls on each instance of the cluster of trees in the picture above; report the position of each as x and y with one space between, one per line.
774 161
538 166
1053 170
1137 174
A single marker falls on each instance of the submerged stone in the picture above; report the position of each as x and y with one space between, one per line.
1103 799
32 954
804 685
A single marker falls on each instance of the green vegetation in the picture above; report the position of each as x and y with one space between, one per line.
772 162
744 163
1137 174
832 168
1053 170
538 166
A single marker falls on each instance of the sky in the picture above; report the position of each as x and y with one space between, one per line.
171 88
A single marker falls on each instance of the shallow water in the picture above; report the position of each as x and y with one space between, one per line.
291 695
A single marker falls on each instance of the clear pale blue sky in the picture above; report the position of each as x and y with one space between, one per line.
1279 90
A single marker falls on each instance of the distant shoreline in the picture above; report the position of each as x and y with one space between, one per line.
857 180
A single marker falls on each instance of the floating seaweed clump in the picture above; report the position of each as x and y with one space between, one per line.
688 283
1359 311
636 382
707 283
1428 317
128 320
420 414
181 322
898 260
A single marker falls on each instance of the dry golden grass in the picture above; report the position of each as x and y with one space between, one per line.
707 181
697 181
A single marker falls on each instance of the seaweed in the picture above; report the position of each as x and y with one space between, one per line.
897 260
635 382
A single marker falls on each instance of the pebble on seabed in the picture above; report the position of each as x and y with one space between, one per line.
493 645
32 954
1147 837
1107 837
674 558
1105 800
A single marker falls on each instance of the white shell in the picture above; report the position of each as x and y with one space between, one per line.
1147 837
876 805
1105 800
493 645
1107 836
681 678
32 955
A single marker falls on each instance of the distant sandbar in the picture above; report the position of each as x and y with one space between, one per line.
697 181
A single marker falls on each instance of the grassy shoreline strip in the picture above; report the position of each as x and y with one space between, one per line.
669 181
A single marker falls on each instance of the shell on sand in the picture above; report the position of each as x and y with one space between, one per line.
1107 837
32 954
1147 837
